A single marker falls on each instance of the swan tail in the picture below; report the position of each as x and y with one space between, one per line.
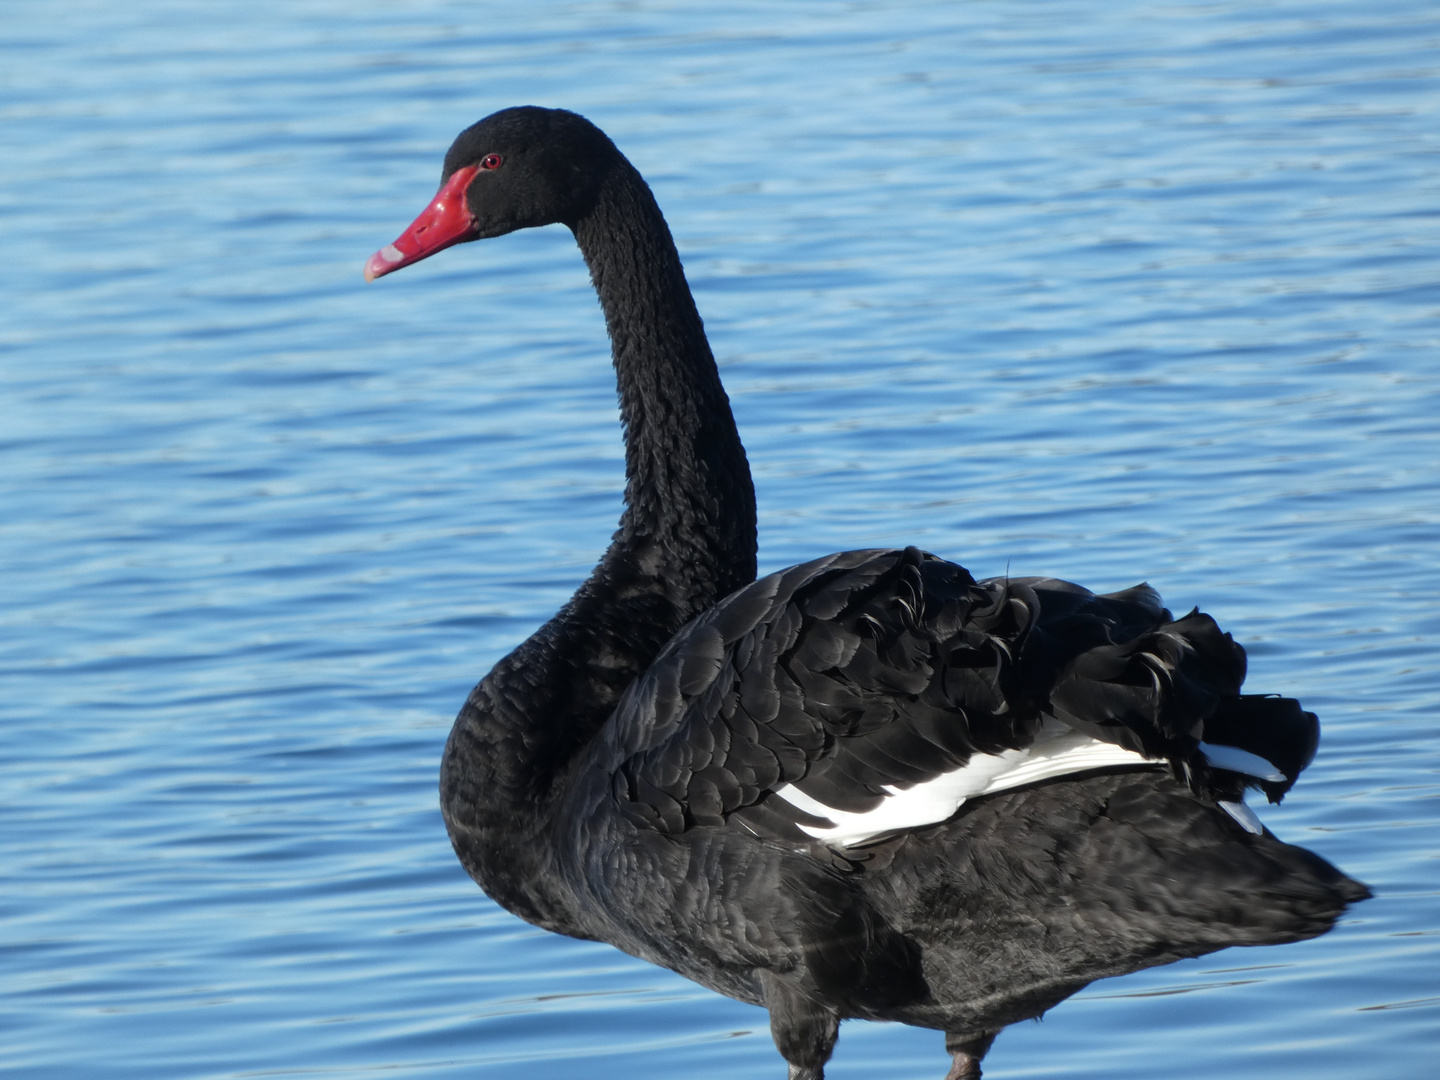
1172 692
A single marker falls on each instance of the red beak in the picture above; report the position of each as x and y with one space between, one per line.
445 222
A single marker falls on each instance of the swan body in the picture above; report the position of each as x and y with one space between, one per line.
866 786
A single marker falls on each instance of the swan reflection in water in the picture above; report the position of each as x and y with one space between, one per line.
867 786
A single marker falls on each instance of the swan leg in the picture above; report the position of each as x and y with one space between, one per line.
966 1050
804 1030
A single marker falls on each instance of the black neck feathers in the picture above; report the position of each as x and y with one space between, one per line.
686 539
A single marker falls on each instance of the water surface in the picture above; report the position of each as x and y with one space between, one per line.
1114 293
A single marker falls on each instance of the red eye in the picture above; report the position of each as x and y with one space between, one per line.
491 161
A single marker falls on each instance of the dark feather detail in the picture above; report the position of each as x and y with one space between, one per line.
869 671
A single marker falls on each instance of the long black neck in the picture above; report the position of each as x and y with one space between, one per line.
686 539
689 523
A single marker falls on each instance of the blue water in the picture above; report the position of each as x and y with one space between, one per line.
1108 291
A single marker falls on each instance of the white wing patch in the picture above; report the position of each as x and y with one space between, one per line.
1241 761
1244 815
1057 751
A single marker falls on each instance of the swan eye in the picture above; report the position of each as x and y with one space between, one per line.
491 161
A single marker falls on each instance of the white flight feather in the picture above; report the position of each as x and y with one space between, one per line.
1241 761
1057 750
1244 815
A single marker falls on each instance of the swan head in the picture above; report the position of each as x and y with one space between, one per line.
516 169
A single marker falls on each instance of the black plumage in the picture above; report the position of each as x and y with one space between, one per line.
810 791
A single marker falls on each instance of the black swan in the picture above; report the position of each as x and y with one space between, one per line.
867 786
